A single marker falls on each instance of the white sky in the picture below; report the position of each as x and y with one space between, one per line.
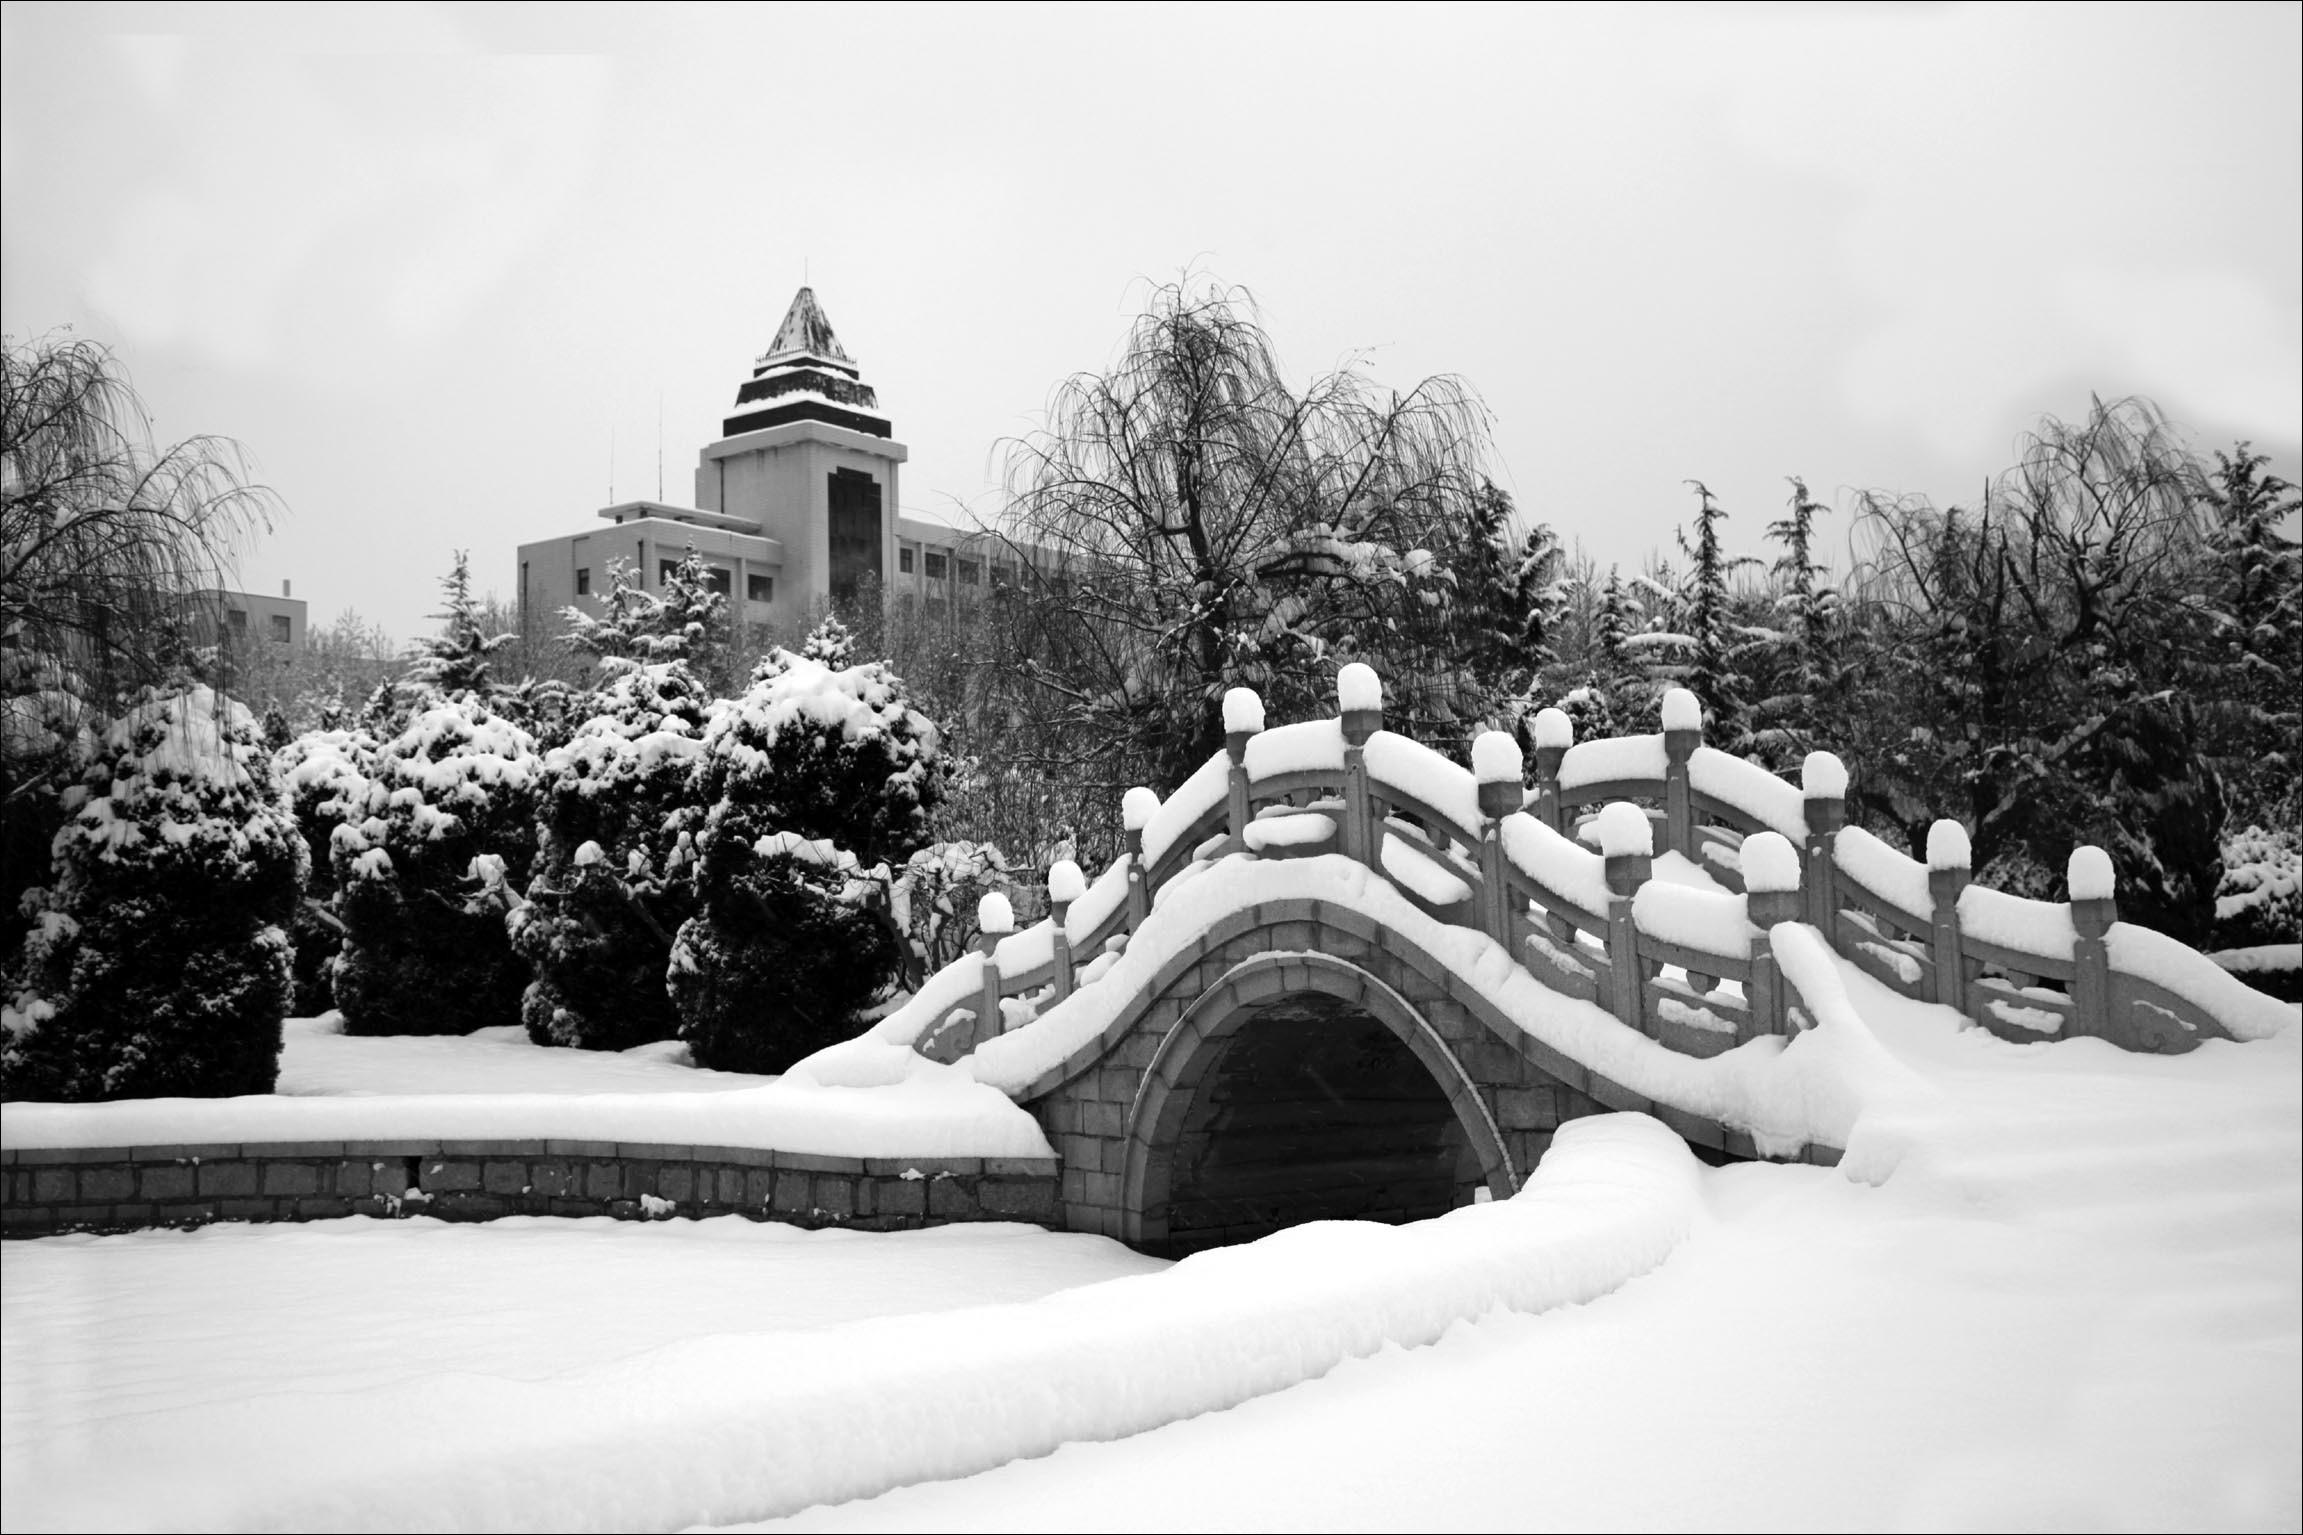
426 263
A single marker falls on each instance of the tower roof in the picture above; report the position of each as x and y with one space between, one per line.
807 333
806 375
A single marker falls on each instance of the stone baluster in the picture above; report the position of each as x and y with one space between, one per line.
1136 809
2094 907
1066 884
995 919
1823 786
1949 861
1627 839
1359 698
1242 721
1496 763
1554 734
1770 896
1682 734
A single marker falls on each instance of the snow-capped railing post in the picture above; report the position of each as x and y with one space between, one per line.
1242 720
1496 762
1136 809
1682 734
1823 785
995 919
1770 896
1359 697
1554 734
1949 860
1627 838
1065 885
2093 909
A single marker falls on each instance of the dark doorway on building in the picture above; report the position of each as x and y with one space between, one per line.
1314 1111
855 531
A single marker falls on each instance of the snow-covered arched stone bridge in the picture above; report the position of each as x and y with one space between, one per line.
1338 975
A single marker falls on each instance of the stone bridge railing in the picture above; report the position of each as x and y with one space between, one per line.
1687 966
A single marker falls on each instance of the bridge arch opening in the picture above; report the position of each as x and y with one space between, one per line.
1330 1103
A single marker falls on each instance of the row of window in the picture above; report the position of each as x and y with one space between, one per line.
938 567
282 630
757 587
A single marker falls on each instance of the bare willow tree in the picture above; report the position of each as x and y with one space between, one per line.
1200 524
104 539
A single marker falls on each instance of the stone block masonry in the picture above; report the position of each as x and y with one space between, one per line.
112 1189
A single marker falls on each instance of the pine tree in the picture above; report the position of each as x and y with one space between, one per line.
455 662
830 645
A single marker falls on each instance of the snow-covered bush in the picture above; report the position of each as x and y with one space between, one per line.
2260 900
320 774
435 842
156 965
615 811
816 781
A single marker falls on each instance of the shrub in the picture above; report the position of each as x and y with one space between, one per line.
433 845
612 883
320 773
816 779
156 965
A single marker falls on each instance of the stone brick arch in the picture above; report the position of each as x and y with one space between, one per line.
1168 1088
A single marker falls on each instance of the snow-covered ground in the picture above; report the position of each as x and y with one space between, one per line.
319 1060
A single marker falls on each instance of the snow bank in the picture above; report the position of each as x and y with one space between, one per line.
747 1425
1837 1072
2231 1002
929 1111
1750 788
1613 761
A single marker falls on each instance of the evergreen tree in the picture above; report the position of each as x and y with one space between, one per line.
436 840
156 965
616 810
1706 609
455 662
323 778
2249 679
816 782
830 645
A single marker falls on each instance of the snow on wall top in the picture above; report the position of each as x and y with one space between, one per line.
1558 863
1554 728
1709 921
1495 758
1358 687
1613 761
1308 746
1822 776
1947 846
1137 807
1194 797
1681 710
1770 863
1625 831
2231 1002
1411 766
1898 880
1750 788
1065 881
2089 874
2014 922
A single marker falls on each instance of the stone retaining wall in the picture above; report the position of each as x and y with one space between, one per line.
131 1188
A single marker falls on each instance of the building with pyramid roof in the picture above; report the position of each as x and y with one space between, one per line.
796 504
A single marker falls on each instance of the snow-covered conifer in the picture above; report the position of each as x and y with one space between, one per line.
428 860
616 809
156 964
323 777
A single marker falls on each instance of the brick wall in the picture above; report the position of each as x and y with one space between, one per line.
129 1188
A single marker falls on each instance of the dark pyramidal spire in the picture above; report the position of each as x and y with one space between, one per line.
806 375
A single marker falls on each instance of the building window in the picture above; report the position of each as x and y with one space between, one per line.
584 581
935 566
281 629
238 619
758 588
665 569
971 572
904 561
720 579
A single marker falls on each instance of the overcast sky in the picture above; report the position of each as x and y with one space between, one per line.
428 264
